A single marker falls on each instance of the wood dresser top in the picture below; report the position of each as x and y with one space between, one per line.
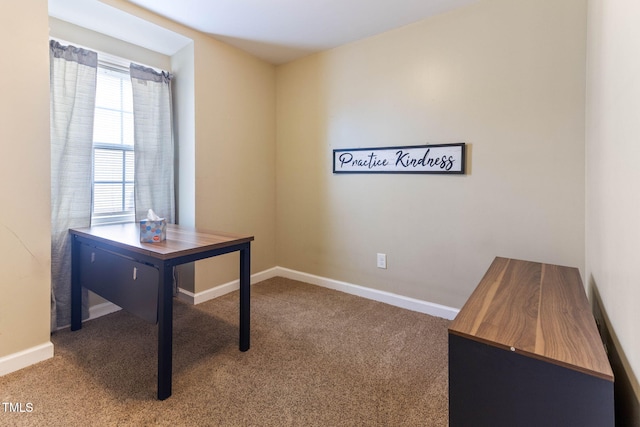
180 240
539 310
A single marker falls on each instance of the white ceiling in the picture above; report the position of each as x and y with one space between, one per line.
277 31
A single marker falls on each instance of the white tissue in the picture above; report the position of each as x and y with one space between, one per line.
151 216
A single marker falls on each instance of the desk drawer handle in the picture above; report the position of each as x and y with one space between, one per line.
135 273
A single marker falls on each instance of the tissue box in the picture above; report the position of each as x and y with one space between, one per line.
153 231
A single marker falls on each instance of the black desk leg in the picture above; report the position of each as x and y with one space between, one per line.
165 331
245 294
76 287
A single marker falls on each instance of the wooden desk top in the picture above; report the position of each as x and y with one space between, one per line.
539 310
180 240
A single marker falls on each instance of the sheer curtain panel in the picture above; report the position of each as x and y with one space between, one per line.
73 88
153 142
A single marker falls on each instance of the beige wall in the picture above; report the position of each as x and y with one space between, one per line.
613 175
25 242
235 155
507 77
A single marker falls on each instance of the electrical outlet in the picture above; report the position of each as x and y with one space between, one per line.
382 260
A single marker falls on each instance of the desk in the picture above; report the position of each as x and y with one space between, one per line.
110 261
525 350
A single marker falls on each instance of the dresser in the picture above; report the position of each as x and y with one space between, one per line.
525 351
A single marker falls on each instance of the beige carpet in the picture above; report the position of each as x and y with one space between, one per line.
318 358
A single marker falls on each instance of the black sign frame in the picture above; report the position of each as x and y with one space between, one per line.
408 159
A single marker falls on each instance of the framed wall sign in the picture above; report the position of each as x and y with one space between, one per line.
430 159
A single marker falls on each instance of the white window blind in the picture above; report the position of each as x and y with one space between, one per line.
113 160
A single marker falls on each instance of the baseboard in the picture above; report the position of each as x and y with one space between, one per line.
626 386
218 291
24 358
96 311
407 303
102 310
401 301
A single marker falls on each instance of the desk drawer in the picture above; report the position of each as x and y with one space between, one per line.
121 280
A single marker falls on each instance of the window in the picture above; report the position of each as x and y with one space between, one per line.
113 160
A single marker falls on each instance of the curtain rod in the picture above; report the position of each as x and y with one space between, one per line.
107 58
